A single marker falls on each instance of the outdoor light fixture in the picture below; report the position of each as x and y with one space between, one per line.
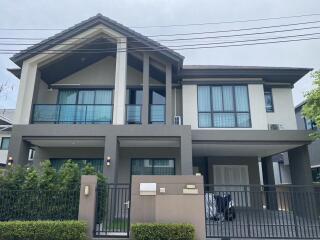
108 160
86 190
10 161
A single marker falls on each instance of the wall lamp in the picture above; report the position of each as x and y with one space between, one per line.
10 161
108 160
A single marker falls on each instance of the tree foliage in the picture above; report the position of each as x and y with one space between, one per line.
311 109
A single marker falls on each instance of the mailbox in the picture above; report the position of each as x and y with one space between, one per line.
148 189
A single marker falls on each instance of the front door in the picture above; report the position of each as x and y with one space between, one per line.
232 179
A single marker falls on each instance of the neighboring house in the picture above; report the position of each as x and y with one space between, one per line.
314 148
141 111
6 118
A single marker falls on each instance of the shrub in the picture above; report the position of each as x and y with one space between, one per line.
160 231
43 230
27 193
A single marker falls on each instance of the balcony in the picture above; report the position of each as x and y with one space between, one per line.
157 113
72 113
133 113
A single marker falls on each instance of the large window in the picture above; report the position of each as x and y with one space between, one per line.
157 101
268 99
4 143
134 106
97 164
85 106
223 107
316 174
152 167
309 124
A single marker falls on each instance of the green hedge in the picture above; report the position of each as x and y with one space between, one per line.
43 230
159 231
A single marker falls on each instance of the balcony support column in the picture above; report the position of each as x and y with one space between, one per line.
168 94
120 83
145 103
26 91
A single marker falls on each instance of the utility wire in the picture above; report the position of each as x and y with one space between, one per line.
177 39
177 47
177 25
176 34
209 47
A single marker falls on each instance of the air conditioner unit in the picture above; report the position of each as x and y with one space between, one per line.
274 126
177 120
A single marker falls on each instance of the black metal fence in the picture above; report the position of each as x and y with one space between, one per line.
113 211
283 212
39 205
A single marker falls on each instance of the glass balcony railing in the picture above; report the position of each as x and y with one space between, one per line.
133 113
72 114
157 113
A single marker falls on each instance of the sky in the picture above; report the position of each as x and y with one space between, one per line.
137 13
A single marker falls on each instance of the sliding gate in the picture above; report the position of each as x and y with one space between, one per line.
112 211
265 212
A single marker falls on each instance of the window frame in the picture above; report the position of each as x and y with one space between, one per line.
153 159
268 90
234 105
85 89
1 144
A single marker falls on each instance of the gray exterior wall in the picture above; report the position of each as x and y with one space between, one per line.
314 147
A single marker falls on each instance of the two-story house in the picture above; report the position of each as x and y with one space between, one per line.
102 93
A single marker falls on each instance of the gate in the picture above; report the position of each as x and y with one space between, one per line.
112 217
260 211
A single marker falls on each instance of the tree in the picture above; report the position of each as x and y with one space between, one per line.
311 109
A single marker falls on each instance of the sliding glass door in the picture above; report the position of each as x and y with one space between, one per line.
152 166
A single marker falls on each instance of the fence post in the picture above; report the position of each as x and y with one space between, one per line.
87 203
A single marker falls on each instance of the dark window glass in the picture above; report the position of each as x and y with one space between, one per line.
134 106
310 125
152 167
157 101
268 99
96 163
157 96
223 107
316 174
5 141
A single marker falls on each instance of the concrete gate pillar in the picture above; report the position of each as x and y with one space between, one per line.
87 203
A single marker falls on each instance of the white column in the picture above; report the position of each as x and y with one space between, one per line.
120 83
169 119
25 95
145 102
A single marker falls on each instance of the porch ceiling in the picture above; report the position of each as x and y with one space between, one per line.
67 142
150 142
244 149
259 143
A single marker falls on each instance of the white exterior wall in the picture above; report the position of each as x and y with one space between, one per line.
283 109
257 107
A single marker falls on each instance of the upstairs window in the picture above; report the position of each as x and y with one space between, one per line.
223 107
309 124
268 99
4 143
